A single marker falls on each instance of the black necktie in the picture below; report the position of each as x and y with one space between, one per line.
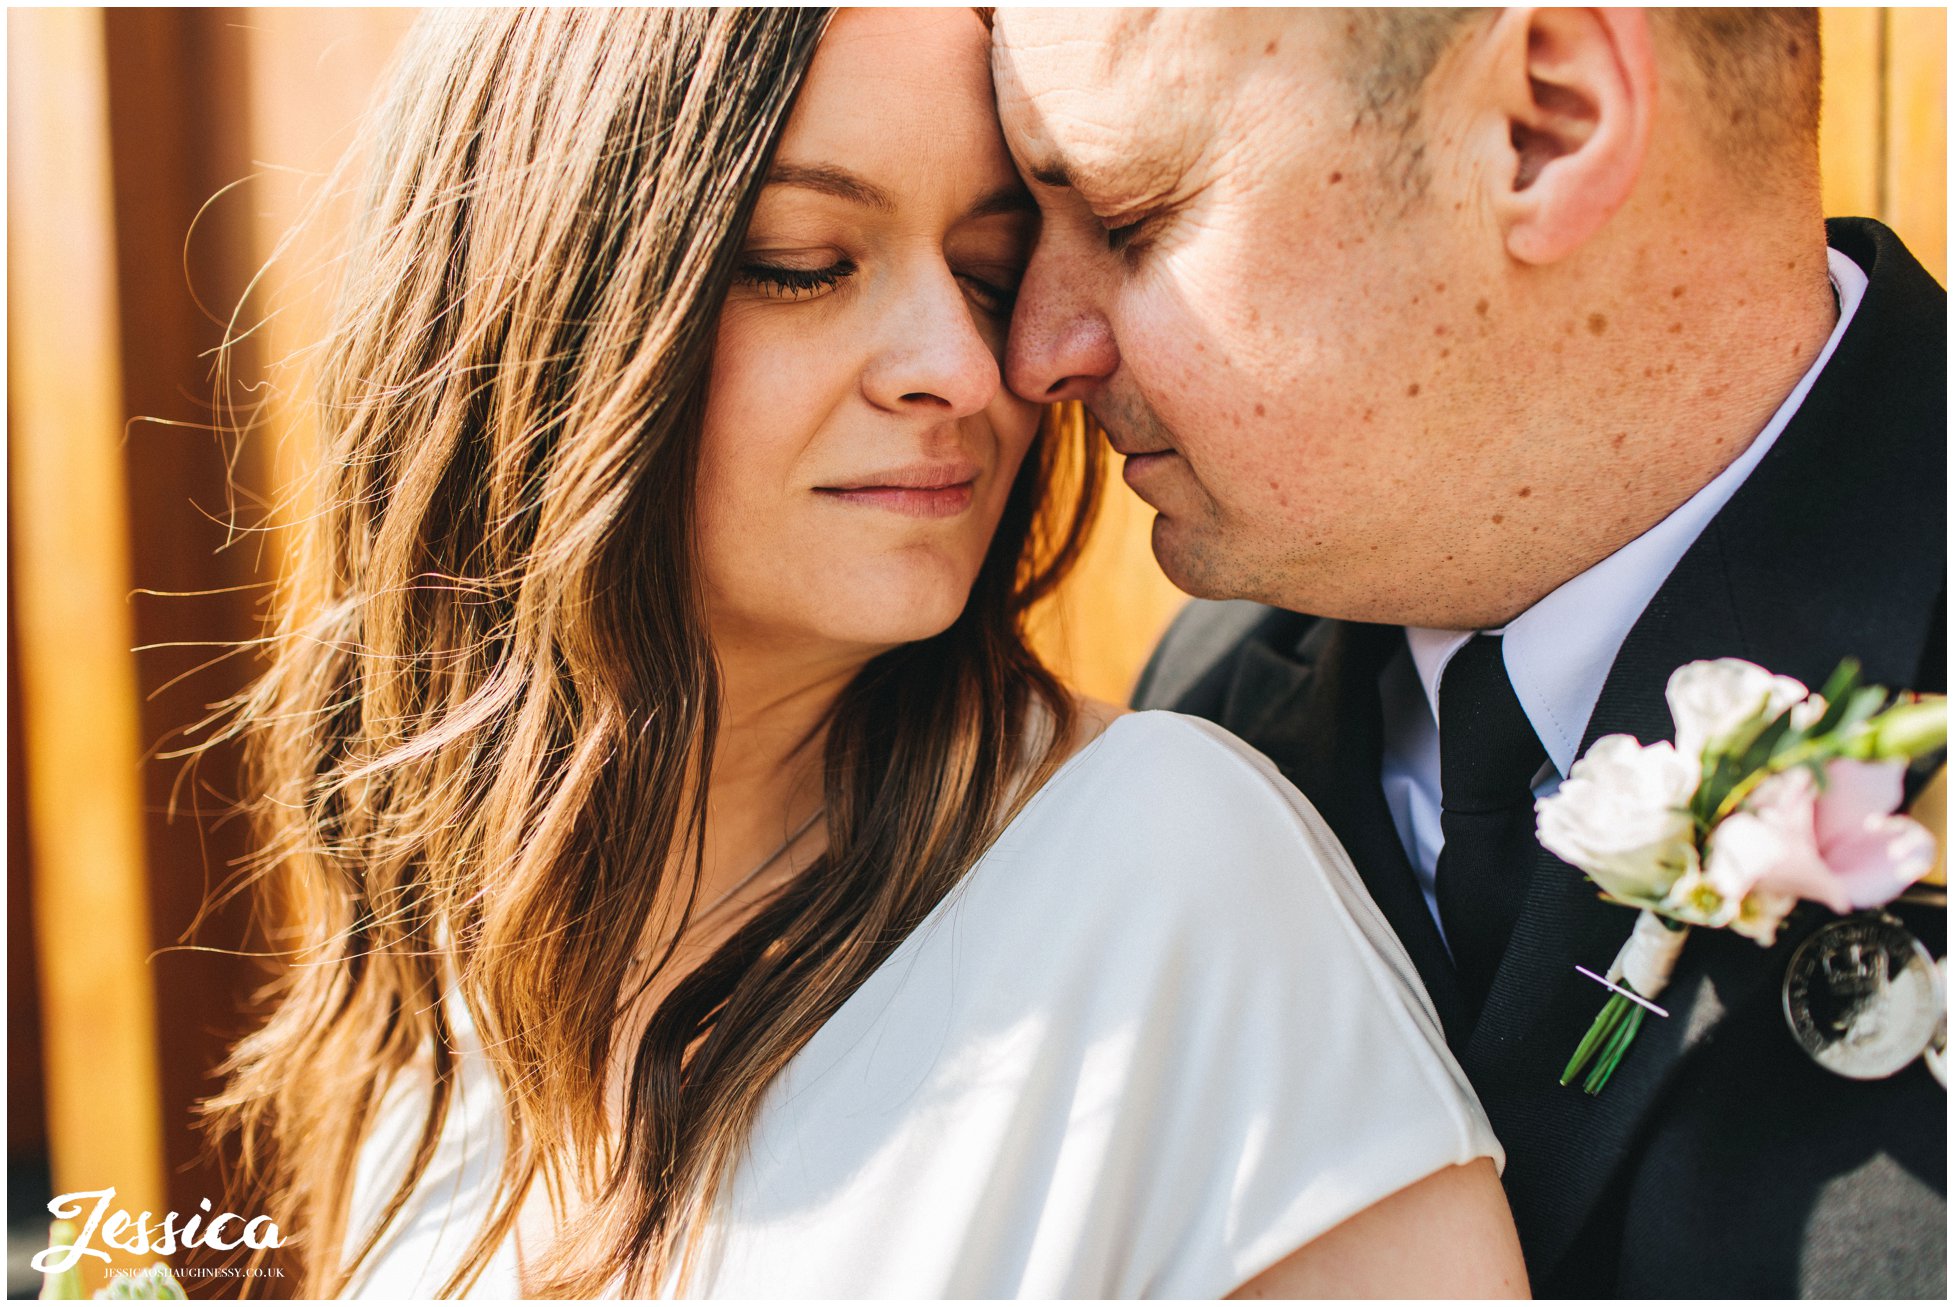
1488 756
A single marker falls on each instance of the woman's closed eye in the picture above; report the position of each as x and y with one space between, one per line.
779 281
993 292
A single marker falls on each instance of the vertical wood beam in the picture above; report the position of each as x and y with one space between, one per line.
1850 145
69 513
1915 163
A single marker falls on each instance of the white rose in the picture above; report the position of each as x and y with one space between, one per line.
1711 699
1622 816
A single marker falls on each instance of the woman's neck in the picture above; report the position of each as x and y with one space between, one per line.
766 768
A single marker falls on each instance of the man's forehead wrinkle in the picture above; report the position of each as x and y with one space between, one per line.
1083 101
1106 157
1269 116
1027 73
1125 40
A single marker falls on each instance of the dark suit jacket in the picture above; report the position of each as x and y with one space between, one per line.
1720 1161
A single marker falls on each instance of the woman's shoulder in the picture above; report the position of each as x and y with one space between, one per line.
1170 880
455 1193
1165 781
1166 738
1166 820
1164 744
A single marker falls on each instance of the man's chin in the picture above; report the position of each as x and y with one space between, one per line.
1191 560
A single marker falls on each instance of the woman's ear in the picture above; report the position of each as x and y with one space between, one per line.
1576 88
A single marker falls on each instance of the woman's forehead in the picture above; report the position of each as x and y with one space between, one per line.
901 99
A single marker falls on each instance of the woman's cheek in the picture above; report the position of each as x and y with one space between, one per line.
747 415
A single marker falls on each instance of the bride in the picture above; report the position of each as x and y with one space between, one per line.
698 887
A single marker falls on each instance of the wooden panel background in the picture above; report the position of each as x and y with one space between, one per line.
122 124
1883 129
69 556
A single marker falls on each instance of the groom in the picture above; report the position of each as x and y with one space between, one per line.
1488 366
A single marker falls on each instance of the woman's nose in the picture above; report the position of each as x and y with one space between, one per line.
936 357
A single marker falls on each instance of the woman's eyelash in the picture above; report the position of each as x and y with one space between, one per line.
793 283
776 282
991 297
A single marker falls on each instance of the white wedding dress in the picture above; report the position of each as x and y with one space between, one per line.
1156 1039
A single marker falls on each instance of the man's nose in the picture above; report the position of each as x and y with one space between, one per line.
1061 345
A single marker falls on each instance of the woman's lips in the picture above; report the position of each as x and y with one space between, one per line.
910 501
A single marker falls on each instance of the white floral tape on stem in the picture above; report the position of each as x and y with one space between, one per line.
1649 955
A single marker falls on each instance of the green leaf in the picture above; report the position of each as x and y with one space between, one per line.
1863 705
1766 743
1714 789
1837 688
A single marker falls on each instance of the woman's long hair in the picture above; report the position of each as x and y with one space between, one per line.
477 748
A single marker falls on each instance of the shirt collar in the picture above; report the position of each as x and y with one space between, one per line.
1559 651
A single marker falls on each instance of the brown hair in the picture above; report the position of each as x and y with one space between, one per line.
491 692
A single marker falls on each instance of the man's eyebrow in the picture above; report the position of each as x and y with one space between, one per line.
830 179
1053 173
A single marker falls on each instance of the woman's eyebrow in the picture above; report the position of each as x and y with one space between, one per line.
831 179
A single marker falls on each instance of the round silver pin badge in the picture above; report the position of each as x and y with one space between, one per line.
1863 997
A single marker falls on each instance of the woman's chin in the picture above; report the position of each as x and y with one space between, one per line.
859 620
886 616
886 630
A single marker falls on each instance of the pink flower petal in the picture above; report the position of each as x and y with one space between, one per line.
1843 847
1753 851
1879 860
1771 844
1855 794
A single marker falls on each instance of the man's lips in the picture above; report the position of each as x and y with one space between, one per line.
1132 449
1139 469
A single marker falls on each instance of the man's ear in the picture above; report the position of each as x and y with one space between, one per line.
1577 90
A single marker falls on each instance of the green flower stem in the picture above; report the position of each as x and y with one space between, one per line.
1612 1015
1617 1048
1606 1042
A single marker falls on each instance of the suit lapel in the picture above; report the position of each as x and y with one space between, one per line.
1539 1007
1832 548
1312 706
